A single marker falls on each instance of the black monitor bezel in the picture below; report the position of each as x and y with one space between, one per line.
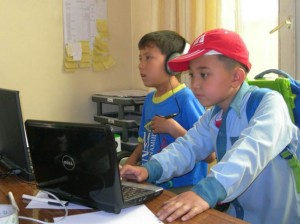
12 125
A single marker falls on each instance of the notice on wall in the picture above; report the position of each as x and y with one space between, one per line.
86 35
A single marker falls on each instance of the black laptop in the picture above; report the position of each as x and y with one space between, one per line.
78 163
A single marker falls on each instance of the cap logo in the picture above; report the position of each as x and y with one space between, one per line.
199 40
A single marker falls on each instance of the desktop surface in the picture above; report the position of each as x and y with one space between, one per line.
18 187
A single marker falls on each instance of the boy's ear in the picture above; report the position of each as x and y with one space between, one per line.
239 76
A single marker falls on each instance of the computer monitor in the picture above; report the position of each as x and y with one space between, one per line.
14 154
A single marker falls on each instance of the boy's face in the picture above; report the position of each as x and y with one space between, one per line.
152 66
213 83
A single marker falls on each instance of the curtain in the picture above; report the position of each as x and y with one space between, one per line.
190 18
250 19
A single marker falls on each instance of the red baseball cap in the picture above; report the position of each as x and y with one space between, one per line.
217 41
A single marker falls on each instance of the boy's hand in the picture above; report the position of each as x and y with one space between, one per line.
161 125
168 126
186 205
134 173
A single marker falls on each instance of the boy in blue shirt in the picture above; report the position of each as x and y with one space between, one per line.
168 111
250 173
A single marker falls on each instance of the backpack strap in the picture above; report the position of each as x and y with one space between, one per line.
294 164
254 100
252 104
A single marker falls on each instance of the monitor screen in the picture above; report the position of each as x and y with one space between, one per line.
14 154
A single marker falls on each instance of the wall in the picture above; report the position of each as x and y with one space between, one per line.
31 57
31 60
141 24
297 23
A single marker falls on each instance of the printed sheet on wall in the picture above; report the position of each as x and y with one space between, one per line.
86 35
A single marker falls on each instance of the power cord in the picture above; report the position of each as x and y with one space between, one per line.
18 171
15 173
176 113
10 172
24 181
43 222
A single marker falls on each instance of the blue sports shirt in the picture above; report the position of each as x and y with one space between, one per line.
180 101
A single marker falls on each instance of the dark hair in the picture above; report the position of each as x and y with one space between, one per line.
231 63
166 40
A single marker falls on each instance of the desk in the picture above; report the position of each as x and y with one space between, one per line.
18 188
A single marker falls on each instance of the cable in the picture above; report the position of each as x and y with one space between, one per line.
174 114
10 172
15 173
170 115
43 222
24 181
173 94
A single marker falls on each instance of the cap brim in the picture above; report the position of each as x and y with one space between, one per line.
182 63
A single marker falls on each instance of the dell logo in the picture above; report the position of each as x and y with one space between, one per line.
68 162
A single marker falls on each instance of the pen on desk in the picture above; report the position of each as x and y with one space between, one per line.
45 200
57 203
13 201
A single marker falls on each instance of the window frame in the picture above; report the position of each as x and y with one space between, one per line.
288 49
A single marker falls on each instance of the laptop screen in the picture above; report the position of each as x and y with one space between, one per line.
77 162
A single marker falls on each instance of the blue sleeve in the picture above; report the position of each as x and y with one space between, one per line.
154 170
210 190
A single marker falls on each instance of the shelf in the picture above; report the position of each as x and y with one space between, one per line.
121 99
124 116
129 121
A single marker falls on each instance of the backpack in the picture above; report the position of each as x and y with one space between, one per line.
253 102
290 90
284 84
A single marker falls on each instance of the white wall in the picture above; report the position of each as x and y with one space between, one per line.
31 60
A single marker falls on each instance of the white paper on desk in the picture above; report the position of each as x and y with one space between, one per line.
36 204
130 215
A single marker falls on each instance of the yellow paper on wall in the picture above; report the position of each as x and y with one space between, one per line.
71 65
69 50
69 58
101 25
86 58
98 66
82 55
109 61
100 47
84 64
98 58
85 45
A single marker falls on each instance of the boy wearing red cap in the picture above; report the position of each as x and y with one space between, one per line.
250 173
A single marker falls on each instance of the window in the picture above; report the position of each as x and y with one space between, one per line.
289 50
254 20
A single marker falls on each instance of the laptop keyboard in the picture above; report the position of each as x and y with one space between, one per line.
130 192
